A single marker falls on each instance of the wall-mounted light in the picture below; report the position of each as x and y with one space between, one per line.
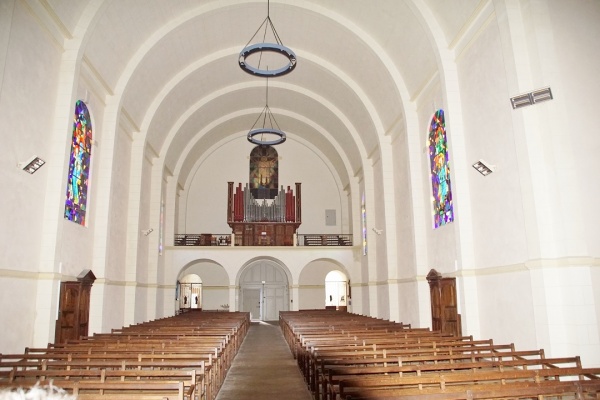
31 165
484 168
146 232
530 98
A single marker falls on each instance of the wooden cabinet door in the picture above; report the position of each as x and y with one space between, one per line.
74 308
68 313
444 310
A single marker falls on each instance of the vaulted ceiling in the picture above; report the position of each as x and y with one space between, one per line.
173 66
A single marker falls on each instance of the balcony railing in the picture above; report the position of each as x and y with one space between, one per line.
202 239
209 239
324 240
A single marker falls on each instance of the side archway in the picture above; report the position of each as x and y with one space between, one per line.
314 291
336 291
210 285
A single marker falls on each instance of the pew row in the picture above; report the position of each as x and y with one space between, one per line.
347 356
181 357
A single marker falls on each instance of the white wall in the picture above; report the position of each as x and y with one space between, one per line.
576 33
27 86
312 284
205 209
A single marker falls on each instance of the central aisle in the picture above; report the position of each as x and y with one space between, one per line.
264 368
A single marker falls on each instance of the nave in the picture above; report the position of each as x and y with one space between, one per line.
264 368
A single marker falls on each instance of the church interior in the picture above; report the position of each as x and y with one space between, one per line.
425 163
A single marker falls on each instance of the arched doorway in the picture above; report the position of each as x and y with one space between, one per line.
264 290
189 292
209 281
336 290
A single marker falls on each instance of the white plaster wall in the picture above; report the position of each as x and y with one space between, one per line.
117 239
18 308
311 291
145 248
114 312
509 312
404 215
576 33
378 242
410 306
205 209
28 86
566 312
499 226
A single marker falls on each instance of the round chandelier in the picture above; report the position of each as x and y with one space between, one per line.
260 49
269 134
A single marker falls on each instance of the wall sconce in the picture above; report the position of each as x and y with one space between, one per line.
32 165
527 99
484 168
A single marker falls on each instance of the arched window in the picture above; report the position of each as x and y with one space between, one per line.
264 172
79 165
336 290
443 212
363 215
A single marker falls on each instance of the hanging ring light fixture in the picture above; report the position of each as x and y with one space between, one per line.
261 135
264 47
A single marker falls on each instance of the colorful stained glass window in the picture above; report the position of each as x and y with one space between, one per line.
363 213
443 212
264 172
79 165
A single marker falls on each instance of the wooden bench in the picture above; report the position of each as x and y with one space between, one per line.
446 383
186 356
337 374
355 357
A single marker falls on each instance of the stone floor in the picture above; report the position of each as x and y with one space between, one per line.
264 368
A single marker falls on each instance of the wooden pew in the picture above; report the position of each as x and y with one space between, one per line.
343 357
338 374
432 384
179 357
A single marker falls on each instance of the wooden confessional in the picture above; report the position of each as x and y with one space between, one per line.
444 310
74 308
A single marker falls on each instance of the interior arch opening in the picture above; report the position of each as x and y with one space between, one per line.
264 290
189 293
336 290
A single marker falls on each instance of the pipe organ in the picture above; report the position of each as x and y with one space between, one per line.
263 222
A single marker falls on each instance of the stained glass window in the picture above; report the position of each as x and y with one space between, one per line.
79 165
363 212
264 172
443 212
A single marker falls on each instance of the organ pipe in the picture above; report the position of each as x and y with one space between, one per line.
283 208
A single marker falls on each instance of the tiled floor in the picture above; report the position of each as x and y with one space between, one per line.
264 368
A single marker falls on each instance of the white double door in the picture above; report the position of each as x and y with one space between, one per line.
264 291
264 303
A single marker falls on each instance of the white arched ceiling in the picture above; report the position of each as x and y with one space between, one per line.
175 64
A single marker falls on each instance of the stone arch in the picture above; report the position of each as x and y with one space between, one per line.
263 288
311 283
214 280
336 290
